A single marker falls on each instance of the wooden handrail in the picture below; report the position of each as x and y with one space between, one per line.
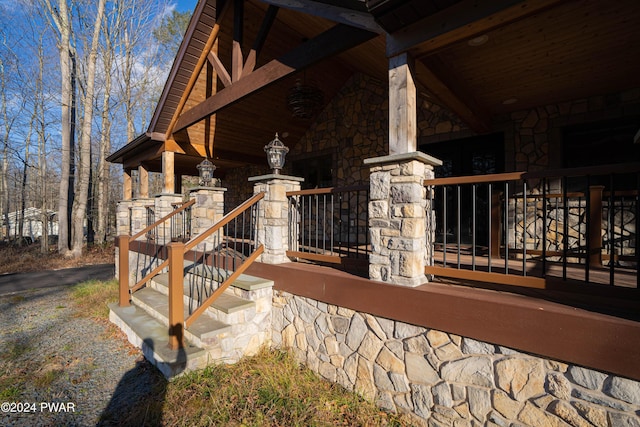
224 221
327 190
149 276
476 179
163 219
206 303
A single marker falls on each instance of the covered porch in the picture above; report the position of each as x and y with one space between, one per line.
471 168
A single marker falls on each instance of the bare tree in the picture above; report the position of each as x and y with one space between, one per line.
61 18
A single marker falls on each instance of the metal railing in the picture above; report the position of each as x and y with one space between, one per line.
221 254
523 229
329 224
148 244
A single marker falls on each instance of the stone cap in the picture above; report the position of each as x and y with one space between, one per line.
404 157
200 187
273 176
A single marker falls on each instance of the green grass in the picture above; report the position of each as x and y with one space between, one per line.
91 297
269 389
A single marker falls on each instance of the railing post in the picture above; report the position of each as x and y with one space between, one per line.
595 225
273 227
123 270
176 302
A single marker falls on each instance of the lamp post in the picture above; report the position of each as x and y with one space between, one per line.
205 170
276 152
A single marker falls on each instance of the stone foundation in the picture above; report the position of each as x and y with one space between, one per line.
445 379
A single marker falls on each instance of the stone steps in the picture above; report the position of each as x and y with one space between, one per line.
236 324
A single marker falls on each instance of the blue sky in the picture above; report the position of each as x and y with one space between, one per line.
183 5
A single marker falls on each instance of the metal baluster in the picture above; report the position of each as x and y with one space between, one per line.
324 223
506 228
565 228
544 227
332 219
444 226
524 229
490 222
611 230
473 227
587 237
458 223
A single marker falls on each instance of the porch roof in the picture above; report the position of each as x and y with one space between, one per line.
482 61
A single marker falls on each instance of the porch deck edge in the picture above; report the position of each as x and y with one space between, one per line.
524 323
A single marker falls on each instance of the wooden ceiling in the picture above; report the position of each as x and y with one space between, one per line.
536 53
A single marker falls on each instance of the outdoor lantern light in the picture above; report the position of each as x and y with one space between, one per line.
205 169
276 151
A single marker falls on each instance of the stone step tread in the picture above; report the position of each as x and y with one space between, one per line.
244 281
155 335
203 327
226 303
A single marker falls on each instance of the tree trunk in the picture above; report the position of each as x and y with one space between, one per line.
84 167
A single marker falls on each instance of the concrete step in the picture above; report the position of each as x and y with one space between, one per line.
147 333
227 303
204 332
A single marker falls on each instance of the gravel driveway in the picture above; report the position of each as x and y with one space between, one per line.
57 369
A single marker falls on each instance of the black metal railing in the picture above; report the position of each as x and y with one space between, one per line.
524 228
329 224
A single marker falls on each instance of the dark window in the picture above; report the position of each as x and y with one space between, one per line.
316 171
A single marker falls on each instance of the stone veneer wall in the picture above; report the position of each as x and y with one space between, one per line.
445 379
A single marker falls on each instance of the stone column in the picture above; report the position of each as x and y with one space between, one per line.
123 212
139 213
164 206
273 226
400 217
208 209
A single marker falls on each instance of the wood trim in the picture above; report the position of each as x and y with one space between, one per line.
464 20
528 324
327 190
221 71
330 43
341 15
196 72
333 259
483 276
476 179
265 27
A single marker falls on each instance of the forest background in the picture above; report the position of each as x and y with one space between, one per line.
78 80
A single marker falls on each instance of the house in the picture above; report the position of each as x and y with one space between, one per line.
31 223
453 232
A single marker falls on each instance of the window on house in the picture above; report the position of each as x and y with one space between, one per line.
316 171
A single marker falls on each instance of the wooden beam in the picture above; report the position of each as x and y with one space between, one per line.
463 20
332 42
439 80
127 189
222 72
168 171
236 53
403 130
267 22
143 175
341 15
198 68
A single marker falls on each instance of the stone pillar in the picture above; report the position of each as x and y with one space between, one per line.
139 213
208 209
401 221
123 212
164 206
273 226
